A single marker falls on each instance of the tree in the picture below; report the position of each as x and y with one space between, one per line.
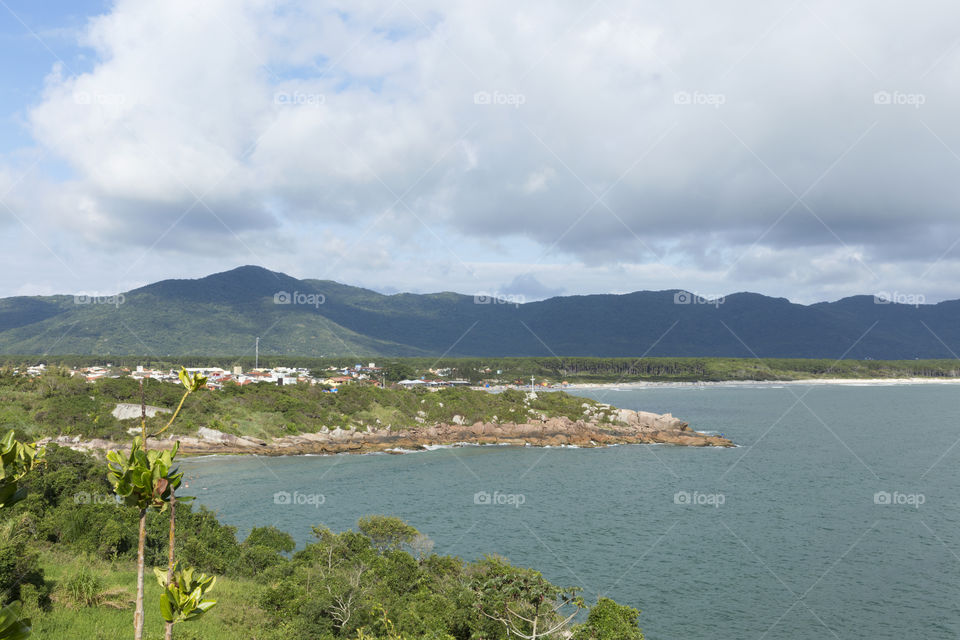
523 602
608 620
396 371
272 538
422 546
387 532
147 480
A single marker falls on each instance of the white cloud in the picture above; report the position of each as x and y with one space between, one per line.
620 138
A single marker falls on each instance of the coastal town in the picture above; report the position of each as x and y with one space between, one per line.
332 377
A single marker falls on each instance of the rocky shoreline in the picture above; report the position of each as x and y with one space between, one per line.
629 427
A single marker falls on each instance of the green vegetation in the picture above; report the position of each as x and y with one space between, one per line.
224 313
16 460
380 582
148 480
555 370
56 404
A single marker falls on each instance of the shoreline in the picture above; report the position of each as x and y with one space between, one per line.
643 384
628 427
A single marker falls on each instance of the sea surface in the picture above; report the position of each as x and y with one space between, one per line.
838 516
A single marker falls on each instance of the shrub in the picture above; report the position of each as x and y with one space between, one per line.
84 588
271 538
19 566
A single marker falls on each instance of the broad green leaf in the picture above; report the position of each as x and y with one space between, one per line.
166 609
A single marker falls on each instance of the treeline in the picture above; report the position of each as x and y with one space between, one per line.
555 369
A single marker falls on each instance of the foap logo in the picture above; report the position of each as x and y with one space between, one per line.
499 298
885 498
299 99
97 98
92 298
499 98
900 98
299 499
497 498
84 497
897 297
715 100
700 499
312 299
685 297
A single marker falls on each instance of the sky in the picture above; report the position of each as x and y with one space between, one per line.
803 149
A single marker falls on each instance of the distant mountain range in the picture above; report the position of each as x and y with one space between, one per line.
223 313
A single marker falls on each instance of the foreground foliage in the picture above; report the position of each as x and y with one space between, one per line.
16 460
378 582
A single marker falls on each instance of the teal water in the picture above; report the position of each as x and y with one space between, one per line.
779 538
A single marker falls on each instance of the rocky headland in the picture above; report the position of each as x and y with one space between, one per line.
623 427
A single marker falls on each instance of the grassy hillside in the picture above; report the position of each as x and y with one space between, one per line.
108 615
54 404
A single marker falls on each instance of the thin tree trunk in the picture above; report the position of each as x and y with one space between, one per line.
138 613
173 510
142 539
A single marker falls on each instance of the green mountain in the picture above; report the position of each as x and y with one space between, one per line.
223 313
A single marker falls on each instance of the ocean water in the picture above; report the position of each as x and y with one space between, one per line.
838 516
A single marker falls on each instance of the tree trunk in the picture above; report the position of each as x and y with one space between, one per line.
142 539
168 632
138 613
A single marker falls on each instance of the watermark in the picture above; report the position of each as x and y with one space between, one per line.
83 497
285 297
95 97
915 100
297 498
685 297
499 98
715 100
499 298
701 499
897 297
896 498
299 99
510 499
83 298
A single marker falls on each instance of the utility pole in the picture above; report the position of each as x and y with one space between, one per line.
256 358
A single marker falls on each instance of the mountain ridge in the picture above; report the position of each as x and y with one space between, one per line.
222 313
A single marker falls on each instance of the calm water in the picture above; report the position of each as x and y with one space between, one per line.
786 541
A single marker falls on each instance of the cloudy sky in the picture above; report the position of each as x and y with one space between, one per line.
807 149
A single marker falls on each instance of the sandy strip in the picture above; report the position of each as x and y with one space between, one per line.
854 382
850 382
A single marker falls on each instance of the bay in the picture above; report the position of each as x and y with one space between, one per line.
836 516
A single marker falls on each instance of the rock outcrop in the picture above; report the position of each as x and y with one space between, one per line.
629 427
126 411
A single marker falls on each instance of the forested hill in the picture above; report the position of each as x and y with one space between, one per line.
223 313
